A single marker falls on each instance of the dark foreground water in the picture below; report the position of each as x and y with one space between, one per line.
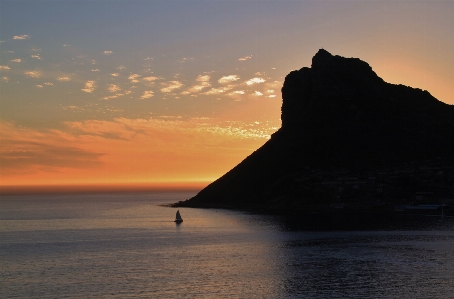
127 246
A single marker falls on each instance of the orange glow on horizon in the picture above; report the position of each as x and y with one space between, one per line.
24 189
126 151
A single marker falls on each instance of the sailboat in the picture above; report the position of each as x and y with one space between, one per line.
178 218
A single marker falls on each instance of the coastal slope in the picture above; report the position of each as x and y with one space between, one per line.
347 137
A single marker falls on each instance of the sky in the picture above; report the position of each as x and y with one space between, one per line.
163 92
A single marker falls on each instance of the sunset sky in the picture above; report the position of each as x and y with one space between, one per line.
100 92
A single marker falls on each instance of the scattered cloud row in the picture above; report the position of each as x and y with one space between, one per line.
92 77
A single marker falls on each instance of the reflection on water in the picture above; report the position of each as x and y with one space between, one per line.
370 264
127 246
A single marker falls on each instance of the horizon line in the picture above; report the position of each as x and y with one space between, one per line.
31 189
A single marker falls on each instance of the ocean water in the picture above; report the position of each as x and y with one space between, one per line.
127 246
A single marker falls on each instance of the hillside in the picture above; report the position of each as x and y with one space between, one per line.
343 127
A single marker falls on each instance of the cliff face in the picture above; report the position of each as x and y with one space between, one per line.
336 115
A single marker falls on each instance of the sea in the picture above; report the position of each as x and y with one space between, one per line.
126 245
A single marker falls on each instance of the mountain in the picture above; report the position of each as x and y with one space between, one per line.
347 137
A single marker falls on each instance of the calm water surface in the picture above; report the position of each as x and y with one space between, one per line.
127 246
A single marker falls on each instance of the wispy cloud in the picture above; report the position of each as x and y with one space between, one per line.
37 56
21 37
218 90
255 81
228 79
113 88
245 58
147 94
16 60
203 78
115 74
237 92
36 152
89 86
150 78
64 78
108 52
203 82
4 67
170 86
33 74
134 77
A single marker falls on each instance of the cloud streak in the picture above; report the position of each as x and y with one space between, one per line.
89 87
171 86
228 79
255 81
21 37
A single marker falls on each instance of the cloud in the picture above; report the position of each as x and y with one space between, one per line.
236 92
171 85
36 56
150 78
113 88
203 78
115 74
203 83
33 74
218 90
133 78
245 58
255 81
97 150
21 37
108 52
95 70
6 79
147 94
16 60
89 86
198 87
4 68
48 83
64 78
257 93
228 79
30 151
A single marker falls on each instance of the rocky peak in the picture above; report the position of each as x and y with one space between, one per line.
332 83
337 116
321 58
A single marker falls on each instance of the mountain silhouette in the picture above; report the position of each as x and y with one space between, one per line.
340 119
